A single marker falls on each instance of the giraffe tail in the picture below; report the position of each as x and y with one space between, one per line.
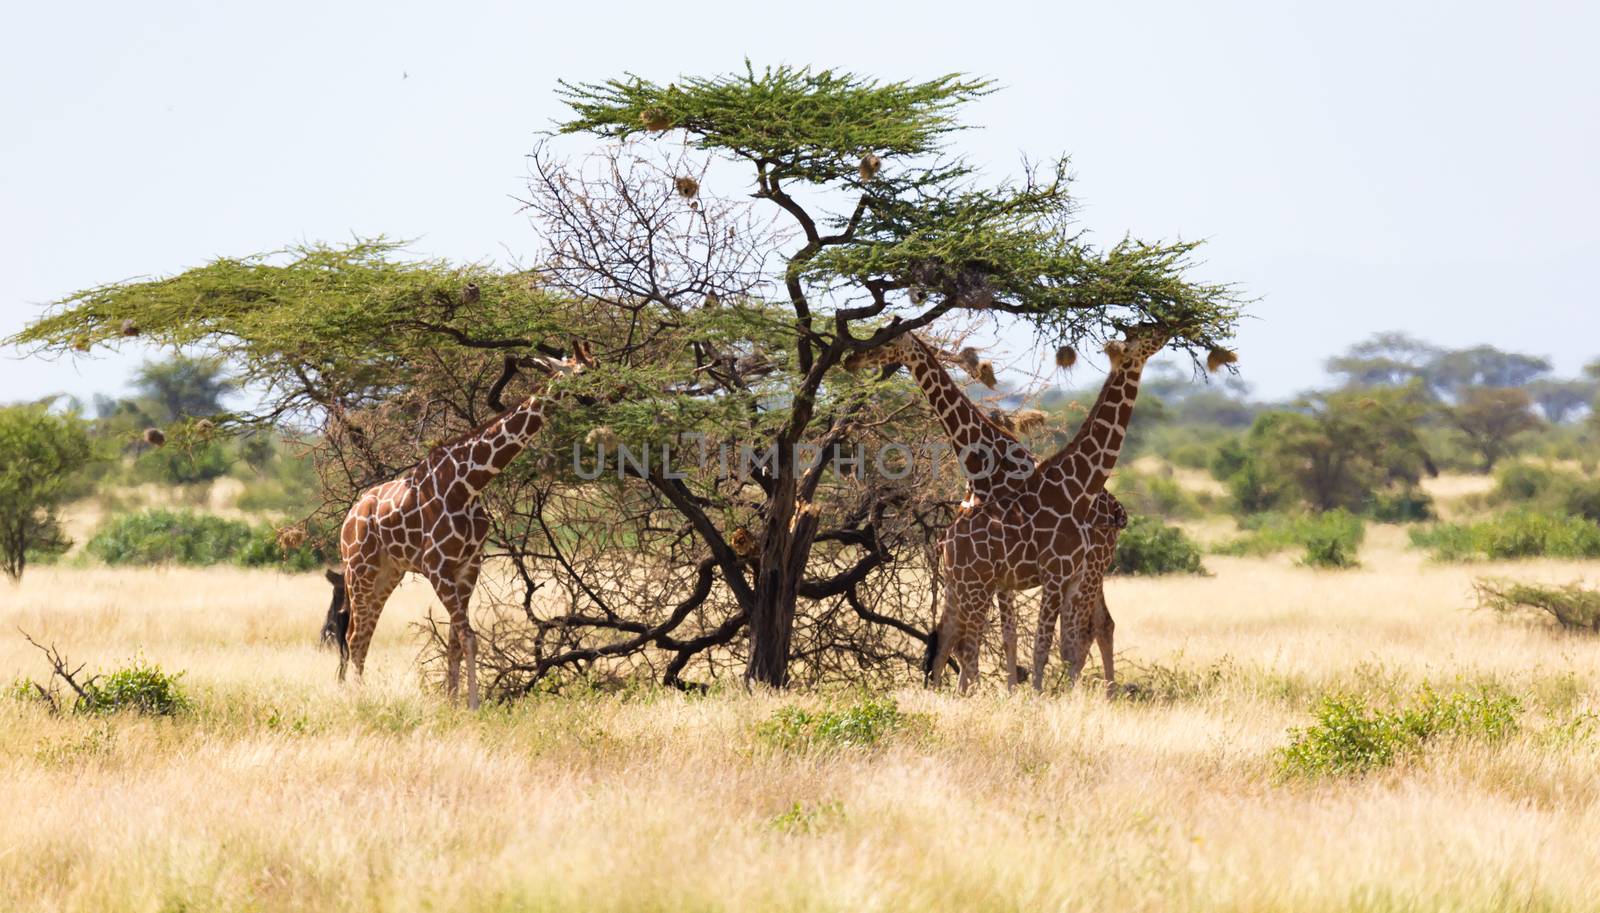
932 653
336 627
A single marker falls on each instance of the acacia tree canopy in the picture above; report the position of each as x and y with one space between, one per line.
916 218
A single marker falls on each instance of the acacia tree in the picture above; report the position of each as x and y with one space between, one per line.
1336 450
717 319
1491 418
40 454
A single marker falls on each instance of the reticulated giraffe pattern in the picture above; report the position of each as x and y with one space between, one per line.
1005 486
429 521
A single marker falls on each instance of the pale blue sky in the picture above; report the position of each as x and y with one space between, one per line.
1428 167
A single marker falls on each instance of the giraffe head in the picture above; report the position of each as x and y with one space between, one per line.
902 349
570 366
894 352
1137 345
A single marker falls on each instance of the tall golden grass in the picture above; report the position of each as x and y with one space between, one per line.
282 790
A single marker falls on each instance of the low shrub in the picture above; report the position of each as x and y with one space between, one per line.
860 725
1574 607
185 537
140 688
1547 490
1331 539
137 688
1520 533
1150 547
1349 737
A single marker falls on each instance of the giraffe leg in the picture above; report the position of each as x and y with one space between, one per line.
1008 636
973 604
455 592
949 633
368 591
452 659
1051 600
1081 606
1104 629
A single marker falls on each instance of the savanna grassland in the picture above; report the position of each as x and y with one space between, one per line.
278 789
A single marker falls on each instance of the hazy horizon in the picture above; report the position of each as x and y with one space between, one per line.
1356 169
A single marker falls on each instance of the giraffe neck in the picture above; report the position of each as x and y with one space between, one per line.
482 454
1084 465
992 458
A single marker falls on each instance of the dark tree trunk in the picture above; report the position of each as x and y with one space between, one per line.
771 629
791 529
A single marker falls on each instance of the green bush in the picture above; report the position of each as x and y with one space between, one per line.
140 688
184 537
1522 482
1151 547
1162 496
1520 533
1406 505
1547 490
1330 539
1348 737
860 725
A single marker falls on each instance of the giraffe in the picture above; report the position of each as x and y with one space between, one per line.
1079 471
996 464
429 522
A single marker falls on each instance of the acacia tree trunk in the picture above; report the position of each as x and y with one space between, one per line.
786 548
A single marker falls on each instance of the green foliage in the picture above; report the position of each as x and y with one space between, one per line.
921 220
1159 495
1401 505
1573 606
183 537
1548 490
181 464
1150 547
351 313
40 457
860 725
1518 533
1491 419
1349 737
1252 486
183 387
1340 451
1331 539
814 126
140 688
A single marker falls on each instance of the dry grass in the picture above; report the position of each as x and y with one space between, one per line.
283 791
